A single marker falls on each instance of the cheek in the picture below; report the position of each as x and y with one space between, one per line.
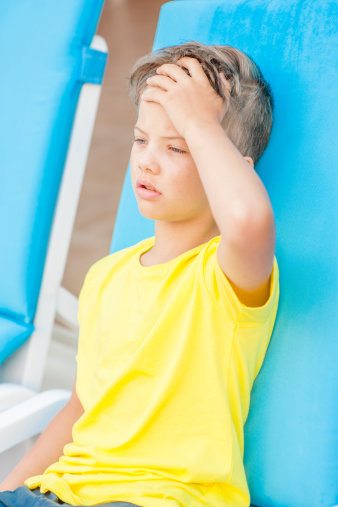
189 184
133 161
190 177
132 153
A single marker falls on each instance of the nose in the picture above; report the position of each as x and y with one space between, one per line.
148 161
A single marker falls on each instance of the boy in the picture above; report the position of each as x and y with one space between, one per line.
173 330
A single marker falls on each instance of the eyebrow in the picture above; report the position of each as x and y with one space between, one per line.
163 137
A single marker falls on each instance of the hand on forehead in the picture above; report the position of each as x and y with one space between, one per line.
194 70
186 98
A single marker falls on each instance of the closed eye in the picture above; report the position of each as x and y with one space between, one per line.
177 150
138 140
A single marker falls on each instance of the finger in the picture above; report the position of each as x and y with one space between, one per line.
154 94
163 82
175 72
194 67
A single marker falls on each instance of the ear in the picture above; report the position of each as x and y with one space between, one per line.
250 161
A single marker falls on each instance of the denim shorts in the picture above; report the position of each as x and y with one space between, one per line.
24 497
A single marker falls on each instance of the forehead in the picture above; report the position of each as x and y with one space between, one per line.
152 118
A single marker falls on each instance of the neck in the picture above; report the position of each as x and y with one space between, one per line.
174 238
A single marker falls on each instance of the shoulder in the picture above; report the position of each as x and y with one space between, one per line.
106 267
223 291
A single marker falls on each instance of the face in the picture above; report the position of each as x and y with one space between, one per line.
160 158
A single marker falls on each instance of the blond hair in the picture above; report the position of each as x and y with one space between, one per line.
248 119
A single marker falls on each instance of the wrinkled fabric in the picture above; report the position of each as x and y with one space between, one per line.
166 360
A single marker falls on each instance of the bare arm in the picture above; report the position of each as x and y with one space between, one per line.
238 199
242 210
49 446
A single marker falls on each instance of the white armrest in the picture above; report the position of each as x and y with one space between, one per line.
30 417
11 394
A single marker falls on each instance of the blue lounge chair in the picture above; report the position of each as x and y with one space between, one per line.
48 52
291 435
291 451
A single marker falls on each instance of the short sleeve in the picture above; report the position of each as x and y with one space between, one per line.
91 285
84 292
222 292
88 317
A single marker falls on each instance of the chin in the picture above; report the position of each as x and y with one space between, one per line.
153 214
148 213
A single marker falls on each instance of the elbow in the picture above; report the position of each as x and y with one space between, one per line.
252 224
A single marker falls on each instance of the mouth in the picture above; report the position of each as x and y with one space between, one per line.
146 190
147 185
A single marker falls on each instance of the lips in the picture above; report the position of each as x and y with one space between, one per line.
146 184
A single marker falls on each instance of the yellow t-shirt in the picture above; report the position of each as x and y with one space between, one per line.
166 361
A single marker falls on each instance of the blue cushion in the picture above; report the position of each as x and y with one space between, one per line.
12 334
291 445
45 59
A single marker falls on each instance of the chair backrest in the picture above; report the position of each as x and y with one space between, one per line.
291 451
46 56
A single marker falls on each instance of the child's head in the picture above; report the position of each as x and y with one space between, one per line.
248 119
